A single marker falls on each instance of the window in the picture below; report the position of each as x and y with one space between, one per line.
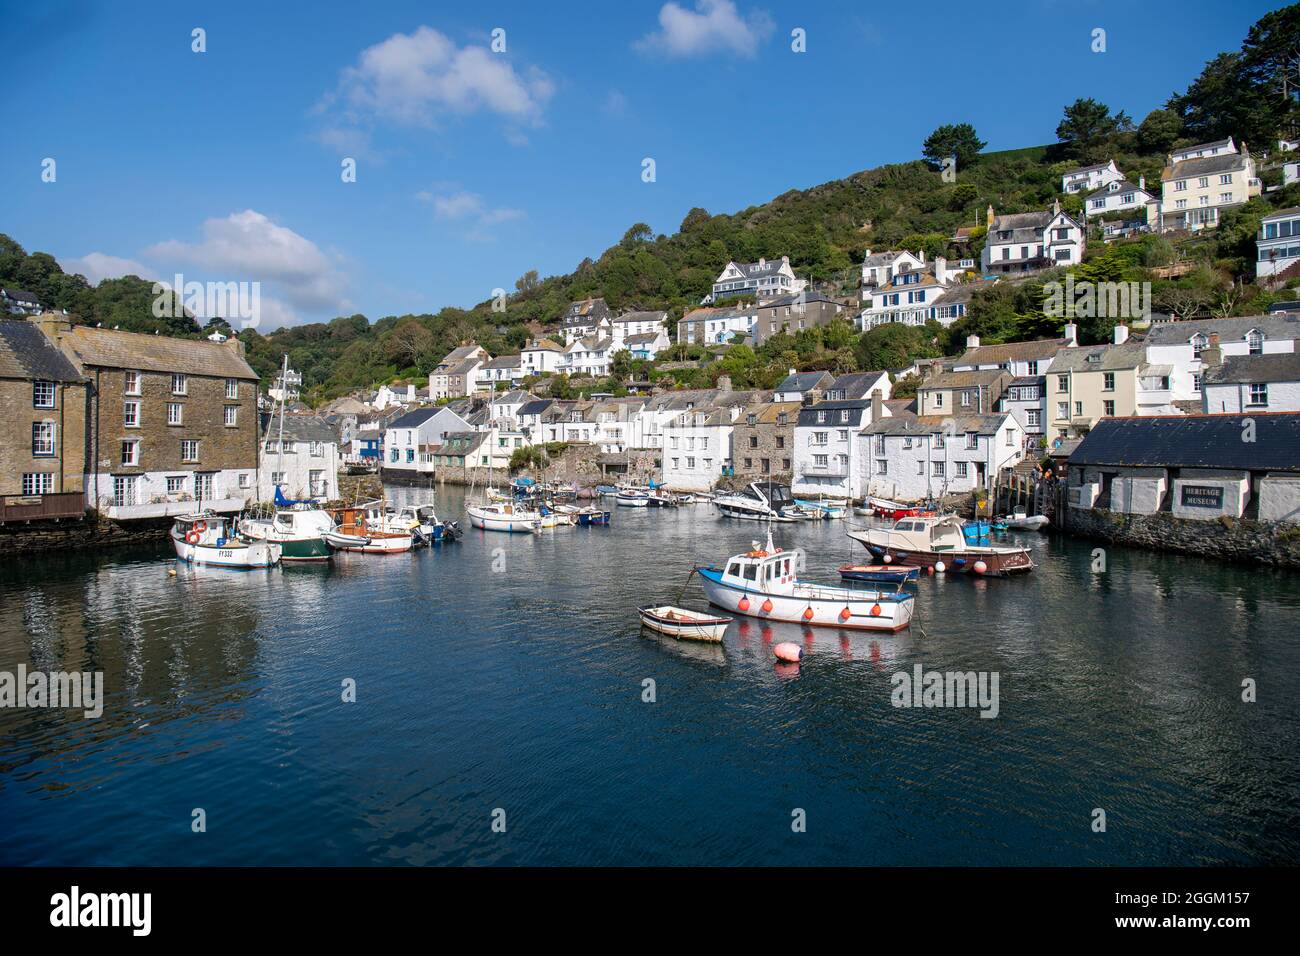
1108 381
1078 408
1062 383
704 443
1108 408
1032 418
1062 410
231 416
962 469
821 461
42 439
753 441
175 484
1180 186
1196 382
131 384
690 461
1255 343
1198 343
42 394
1225 179
938 399
842 434
780 441
819 438
920 468
882 466
1259 394
749 463
1180 203
965 399
317 449
1225 197
174 414
821 418
972 440
124 490
38 483
130 453
189 449
316 481
1202 182
766 464
203 486
936 469
232 388
179 383
938 440
1033 367
131 414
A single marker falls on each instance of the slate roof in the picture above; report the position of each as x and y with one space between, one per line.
987 377
804 381
1205 166
642 317
936 424
1087 169
1194 441
18 295
26 353
1111 358
1271 367
109 348
1275 326
857 408
535 407
301 428
641 338
1117 188
414 419
1282 214
587 312
503 361
855 384
794 297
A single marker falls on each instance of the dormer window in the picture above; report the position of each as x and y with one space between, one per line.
1255 342
1199 342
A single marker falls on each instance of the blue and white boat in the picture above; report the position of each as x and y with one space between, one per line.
763 583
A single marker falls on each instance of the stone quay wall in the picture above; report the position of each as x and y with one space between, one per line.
1225 538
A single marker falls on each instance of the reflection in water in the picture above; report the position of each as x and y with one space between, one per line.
507 671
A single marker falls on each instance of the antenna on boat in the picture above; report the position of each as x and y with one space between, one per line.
771 548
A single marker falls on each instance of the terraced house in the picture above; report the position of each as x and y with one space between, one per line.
1200 182
42 434
171 424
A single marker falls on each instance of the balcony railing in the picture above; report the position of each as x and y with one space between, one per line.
70 504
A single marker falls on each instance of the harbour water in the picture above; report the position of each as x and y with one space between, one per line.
508 672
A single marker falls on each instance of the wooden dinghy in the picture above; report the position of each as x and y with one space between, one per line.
687 625
879 573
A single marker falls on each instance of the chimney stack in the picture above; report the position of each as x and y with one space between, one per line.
1071 335
972 341
988 217
940 268
1212 354
724 383
877 405
1121 333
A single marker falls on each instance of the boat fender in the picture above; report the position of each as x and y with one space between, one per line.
875 610
958 562
980 567
767 606
846 613
744 603
889 559
940 567
789 652
929 570
808 613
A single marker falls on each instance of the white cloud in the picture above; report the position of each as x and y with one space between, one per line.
248 247
471 207
415 79
615 103
713 26
97 266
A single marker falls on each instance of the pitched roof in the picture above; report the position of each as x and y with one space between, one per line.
1118 187
1087 169
535 407
26 353
976 377
641 317
641 338
1276 326
1282 213
1194 441
1205 165
503 361
1109 358
415 418
586 312
803 381
1036 349
855 384
300 428
109 348
857 409
18 295
1270 367
905 425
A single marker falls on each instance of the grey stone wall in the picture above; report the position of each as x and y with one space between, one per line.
18 541
1224 538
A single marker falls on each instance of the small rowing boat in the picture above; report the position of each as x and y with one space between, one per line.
1023 522
679 622
879 573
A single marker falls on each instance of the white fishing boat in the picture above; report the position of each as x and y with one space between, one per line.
1023 522
761 501
206 538
299 528
504 516
632 498
763 583
683 623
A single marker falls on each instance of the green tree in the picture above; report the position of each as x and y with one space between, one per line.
1088 128
953 139
1159 130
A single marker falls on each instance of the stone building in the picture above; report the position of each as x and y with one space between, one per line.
171 424
763 441
42 433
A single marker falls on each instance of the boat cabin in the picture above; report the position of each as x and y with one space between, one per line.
927 533
774 494
203 529
774 572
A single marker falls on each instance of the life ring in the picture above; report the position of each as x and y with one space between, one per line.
193 537
200 526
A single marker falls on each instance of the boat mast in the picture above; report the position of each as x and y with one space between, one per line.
284 375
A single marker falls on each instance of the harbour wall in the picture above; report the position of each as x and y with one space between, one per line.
92 532
1225 538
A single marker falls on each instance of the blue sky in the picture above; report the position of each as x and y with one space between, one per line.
474 166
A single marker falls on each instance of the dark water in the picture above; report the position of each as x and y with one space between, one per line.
521 689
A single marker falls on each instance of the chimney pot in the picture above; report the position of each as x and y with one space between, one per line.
1071 334
1121 334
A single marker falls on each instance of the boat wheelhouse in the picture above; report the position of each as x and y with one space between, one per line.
299 530
763 583
207 538
938 541
366 528
761 501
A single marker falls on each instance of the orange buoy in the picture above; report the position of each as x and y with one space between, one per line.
744 603
980 567
789 652
875 610
767 606
846 613
929 569
808 613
